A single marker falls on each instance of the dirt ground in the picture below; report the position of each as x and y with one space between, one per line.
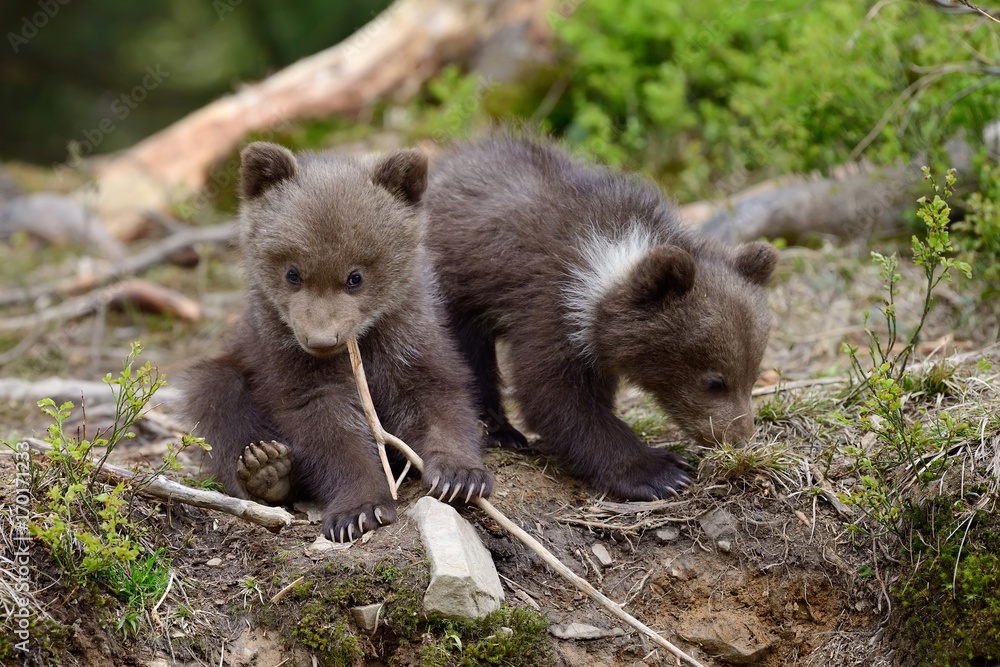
744 568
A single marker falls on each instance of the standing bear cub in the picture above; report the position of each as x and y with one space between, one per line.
333 249
589 277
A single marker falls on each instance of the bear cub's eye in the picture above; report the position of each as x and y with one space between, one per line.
716 384
293 276
354 279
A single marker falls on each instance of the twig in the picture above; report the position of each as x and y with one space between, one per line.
272 518
280 594
170 584
510 526
948 6
373 421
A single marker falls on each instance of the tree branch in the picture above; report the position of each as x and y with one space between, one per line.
272 518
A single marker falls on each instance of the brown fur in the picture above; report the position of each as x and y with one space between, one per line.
285 374
514 231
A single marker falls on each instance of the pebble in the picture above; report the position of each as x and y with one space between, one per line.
603 557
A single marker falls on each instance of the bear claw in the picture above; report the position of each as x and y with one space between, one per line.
342 526
264 471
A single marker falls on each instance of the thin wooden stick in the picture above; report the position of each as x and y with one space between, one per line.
373 421
272 518
383 437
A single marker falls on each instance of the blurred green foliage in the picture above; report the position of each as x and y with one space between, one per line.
65 65
707 98
724 94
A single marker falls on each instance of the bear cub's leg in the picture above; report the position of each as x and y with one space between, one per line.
479 350
265 471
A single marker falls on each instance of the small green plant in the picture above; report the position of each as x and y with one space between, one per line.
909 453
776 461
87 524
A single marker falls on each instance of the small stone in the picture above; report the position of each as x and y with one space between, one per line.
583 631
724 545
603 557
366 617
507 632
215 562
718 524
322 544
668 534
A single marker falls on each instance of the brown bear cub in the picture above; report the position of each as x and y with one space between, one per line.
333 248
589 277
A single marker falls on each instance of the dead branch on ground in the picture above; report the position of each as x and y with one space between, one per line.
582 584
130 266
272 518
138 294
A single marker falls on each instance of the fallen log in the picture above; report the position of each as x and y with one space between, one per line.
390 57
847 208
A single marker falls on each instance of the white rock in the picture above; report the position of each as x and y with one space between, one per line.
464 582
214 562
603 557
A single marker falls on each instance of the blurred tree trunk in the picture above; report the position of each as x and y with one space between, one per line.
390 57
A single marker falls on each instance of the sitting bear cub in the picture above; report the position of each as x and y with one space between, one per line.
589 277
333 249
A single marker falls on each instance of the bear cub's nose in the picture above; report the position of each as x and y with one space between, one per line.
323 345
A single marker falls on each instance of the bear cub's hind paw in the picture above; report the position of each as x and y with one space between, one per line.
265 471
507 437
347 526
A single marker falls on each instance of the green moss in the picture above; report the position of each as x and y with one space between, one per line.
508 636
329 636
948 610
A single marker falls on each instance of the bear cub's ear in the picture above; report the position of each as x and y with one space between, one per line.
264 165
665 272
403 173
756 261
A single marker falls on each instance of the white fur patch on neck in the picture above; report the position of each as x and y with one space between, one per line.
605 263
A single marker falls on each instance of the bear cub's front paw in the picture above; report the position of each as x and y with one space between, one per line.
653 475
265 471
345 524
449 480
